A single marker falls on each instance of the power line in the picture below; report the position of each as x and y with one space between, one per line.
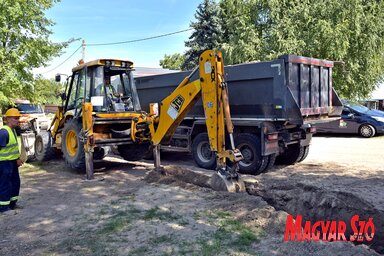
63 61
142 39
114 43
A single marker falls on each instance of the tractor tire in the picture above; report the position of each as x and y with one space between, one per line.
250 147
44 150
133 152
72 146
202 153
291 155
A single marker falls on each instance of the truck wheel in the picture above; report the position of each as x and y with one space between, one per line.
271 162
291 155
202 153
72 146
305 154
367 131
250 147
43 146
133 152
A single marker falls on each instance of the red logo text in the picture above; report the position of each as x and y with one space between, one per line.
330 230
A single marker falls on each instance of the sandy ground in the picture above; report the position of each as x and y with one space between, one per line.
129 210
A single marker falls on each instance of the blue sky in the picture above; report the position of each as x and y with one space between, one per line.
99 21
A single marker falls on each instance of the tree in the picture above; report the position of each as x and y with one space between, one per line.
173 61
241 41
47 91
24 45
349 31
206 33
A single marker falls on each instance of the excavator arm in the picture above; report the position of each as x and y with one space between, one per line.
212 88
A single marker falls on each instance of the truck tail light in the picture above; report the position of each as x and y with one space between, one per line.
311 130
272 136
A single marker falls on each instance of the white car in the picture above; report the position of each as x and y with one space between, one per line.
28 112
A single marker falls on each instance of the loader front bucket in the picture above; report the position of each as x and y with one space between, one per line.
27 151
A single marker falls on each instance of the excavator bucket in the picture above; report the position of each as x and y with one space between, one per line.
220 182
27 149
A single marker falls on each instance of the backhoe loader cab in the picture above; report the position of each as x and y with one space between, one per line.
107 84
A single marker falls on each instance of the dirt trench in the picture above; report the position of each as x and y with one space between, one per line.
316 195
315 203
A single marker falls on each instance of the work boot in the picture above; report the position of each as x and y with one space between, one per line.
15 206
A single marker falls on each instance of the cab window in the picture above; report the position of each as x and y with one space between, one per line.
98 75
72 92
81 88
112 89
77 90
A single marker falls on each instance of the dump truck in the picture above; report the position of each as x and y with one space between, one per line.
101 108
274 105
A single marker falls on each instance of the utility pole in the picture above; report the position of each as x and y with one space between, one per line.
83 51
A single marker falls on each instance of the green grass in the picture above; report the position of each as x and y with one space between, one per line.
95 234
183 222
231 234
109 232
142 250
210 247
246 238
162 239
116 223
158 214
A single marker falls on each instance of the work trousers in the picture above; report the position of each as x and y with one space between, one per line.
9 184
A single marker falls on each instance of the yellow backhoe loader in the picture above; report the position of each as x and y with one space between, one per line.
101 108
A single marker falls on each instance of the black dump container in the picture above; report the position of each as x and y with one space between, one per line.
291 88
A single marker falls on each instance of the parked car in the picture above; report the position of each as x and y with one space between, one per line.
30 111
355 119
